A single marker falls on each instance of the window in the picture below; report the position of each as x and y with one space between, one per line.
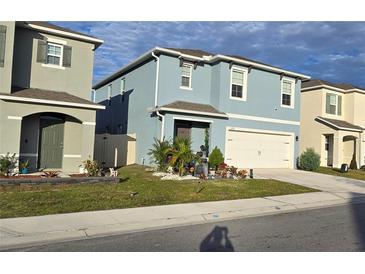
186 71
333 104
54 54
287 93
122 86
238 84
93 95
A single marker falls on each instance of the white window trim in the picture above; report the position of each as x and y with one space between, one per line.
122 91
244 87
325 103
292 95
191 76
60 66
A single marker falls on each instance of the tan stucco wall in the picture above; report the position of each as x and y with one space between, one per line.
5 72
312 132
76 80
78 137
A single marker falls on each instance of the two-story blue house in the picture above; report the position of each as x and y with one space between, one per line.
250 110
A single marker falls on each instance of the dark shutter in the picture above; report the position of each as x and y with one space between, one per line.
41 51
67 53
2 44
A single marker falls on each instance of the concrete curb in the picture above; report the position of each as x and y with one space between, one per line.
122 221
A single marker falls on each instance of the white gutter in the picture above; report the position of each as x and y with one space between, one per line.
50 102
156 96
66 33
193 112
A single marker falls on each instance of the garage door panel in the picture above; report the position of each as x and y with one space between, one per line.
258 150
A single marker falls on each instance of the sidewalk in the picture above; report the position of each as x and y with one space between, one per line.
20 232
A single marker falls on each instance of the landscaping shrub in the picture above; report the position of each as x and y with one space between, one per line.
182 154
91 167
353 163
159 152
215 158
7 163
309 160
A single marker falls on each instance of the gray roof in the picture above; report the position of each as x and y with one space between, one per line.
339 124
318 82
42 94
188 106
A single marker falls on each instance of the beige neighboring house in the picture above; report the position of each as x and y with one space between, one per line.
333 121
46 115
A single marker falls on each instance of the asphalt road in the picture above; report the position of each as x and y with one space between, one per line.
340 228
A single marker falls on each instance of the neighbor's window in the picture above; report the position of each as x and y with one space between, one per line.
333 104
238 77
186 71
122 86
109 91
287 92
54 54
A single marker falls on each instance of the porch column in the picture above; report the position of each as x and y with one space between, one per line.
88 136
10 134
337 149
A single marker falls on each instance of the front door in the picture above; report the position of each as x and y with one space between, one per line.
51 142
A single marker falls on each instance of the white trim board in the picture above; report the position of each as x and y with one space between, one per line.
49 102
71 156
191 119
15 118
262 119
89 123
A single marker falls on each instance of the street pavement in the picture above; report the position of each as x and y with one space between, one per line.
338 228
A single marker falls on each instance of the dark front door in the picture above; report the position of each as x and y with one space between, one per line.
51 142
183 129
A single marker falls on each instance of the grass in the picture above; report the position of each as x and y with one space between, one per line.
137 188
353 174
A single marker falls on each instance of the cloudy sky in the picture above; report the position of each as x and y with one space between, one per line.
333 51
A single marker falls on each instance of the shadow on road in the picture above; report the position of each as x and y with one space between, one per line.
217 240
358 211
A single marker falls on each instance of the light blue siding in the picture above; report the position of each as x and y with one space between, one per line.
210 85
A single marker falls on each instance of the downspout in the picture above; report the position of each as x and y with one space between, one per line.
156 96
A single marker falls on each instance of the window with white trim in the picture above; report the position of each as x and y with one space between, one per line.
287 93
333 104
186 72
122 86
54 54
238 83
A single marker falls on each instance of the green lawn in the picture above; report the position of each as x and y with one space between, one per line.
16 201
354 174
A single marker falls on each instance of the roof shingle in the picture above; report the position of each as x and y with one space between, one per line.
188 106
340 124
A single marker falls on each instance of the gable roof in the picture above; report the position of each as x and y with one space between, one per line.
59 31
41 96
192 108
343 87
339 124
198 55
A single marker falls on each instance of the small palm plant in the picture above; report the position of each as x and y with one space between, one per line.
181 154
159 152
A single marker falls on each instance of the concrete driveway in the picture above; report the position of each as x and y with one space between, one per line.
334 184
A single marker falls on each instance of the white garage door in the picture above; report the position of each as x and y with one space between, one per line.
258 150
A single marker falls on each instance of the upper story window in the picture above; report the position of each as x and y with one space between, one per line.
287 92
54 54
238 83
122 86
333 104
186 72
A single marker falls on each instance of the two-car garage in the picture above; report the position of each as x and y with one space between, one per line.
246 148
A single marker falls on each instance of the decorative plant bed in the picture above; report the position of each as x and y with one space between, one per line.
15 180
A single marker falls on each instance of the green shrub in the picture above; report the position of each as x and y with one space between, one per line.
159 152
7 163
353 163
182 154
91 167
215 158
309 160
